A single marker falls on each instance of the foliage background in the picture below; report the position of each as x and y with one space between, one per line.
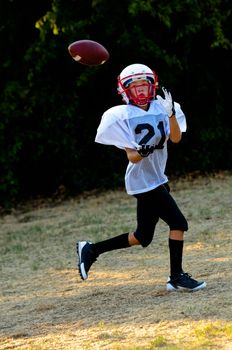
51 106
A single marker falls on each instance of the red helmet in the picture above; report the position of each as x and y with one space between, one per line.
136 72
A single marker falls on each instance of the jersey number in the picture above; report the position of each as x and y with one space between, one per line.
150 133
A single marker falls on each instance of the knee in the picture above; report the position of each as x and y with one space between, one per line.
184 225
144 240
145 243
181 225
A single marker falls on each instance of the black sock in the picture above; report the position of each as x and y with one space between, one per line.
176 253
114 243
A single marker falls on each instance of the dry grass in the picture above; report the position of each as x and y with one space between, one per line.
123 305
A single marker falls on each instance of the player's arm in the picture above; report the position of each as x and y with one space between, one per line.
175 132
142 151
168 104
133 155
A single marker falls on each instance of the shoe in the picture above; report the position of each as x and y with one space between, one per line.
86 258
184 282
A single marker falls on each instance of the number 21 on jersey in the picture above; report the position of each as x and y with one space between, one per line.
150 133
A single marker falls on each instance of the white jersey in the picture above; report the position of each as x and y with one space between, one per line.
128 126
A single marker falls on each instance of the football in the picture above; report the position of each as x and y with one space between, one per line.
88 52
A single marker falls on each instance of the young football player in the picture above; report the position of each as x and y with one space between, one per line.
142 126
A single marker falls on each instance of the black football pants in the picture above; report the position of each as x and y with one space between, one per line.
152 206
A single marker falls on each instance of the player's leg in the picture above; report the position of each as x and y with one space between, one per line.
171 214
176 245
179 280
88 252
147 217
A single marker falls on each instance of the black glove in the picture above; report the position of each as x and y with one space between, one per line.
145 150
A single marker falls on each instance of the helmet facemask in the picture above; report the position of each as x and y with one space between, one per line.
137 72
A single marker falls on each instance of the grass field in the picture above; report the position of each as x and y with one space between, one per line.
123 304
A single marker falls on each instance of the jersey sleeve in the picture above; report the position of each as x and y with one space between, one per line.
180 117
113 130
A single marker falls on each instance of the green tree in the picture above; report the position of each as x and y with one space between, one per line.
51 106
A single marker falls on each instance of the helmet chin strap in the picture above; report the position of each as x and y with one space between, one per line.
139 103
142 103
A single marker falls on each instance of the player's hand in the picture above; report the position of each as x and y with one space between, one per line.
167 102
145 150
